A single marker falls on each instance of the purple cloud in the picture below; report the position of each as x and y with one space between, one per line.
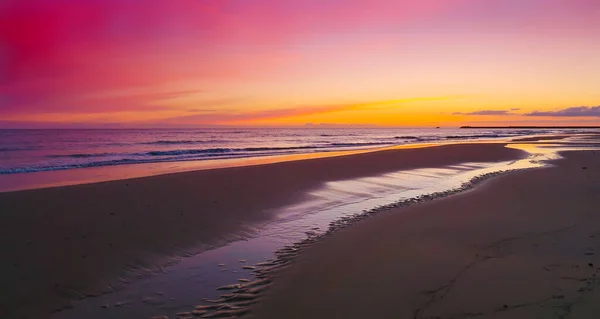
577 111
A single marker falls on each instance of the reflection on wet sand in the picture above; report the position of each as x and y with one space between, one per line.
327 208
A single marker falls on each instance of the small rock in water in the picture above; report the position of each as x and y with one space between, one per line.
591 264
584 167
159 317
105 306
242 260
249 267
243 280
221 265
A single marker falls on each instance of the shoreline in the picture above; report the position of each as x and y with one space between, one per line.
290 283
89 175
101 174
106 226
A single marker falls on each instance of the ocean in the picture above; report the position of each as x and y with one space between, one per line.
26 151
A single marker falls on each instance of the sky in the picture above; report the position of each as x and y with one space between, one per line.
195 63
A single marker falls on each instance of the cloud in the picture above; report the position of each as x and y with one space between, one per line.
129 100
577 111
486 112
239 116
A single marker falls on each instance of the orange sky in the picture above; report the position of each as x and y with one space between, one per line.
192 63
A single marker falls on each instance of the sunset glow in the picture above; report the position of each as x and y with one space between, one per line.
190 63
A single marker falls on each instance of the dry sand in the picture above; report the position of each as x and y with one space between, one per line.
62 243
523 245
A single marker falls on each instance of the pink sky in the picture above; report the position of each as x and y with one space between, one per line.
283 62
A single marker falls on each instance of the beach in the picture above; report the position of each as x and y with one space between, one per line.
66 243
265 159
522 245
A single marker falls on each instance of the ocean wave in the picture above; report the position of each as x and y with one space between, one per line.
428 138
220 150
225 150
360 144
183 142
123 161
18 149
176 155
185 152
344 135
83 155
476 136
63 167
256 149
117 144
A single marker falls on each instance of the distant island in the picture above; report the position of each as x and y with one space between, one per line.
530 127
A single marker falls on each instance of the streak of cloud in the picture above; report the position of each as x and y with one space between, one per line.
486 112
251 116
577 111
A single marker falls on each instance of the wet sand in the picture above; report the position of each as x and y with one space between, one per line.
542 138
522 245
66 243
